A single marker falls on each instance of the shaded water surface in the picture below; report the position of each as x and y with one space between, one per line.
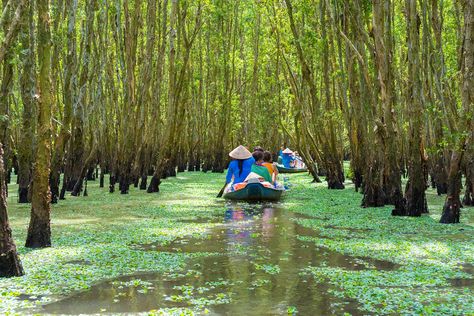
255 266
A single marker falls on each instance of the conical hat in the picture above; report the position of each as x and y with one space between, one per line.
287 151
240 153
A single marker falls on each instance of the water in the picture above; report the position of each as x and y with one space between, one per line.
256 268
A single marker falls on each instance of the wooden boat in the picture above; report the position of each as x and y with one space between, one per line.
283 169
255 191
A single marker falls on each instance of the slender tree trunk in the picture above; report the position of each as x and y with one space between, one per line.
335 173
468 199
39 231
91 158
383 53
27 85
417 163
452 205
76 155
5 91
10 264
166 159
69 99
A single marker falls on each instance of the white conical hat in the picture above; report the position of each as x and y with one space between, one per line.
240 153
287 151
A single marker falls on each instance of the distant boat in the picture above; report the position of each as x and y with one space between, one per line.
255 191
283 169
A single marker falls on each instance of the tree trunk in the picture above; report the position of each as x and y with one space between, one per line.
112 181
39 231
374 196
415 191
5 91
154 185
440 175
392 187
69 99
90 160
335 176
10 265
452 205
468 199
25 147
76 155
101 177
143 182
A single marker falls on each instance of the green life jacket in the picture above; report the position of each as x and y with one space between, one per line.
262 171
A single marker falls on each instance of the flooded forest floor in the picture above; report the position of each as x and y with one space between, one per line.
184 252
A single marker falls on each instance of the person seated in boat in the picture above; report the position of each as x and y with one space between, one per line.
288 159
258 148
280 155
280 152
268 163
259 168
298 161
240 166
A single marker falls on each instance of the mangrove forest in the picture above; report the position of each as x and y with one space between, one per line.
237 157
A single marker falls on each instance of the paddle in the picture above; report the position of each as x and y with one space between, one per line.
221 191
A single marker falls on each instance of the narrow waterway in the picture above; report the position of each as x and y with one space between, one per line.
255 266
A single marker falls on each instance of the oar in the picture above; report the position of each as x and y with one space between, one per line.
221 191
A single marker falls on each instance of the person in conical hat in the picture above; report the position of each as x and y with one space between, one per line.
287 158
240 152
240 166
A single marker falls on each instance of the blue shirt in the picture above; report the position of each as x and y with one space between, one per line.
234 170
287 159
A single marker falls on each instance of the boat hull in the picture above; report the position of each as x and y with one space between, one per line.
255 192
282 169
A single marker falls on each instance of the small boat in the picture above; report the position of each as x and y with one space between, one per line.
283 169
255 191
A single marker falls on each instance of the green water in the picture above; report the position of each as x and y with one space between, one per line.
255 265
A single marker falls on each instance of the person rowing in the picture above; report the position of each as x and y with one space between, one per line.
239 168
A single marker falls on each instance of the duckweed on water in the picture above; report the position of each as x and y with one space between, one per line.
268 268
94 238
426 256
99 229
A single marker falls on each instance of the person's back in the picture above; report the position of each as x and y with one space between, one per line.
280 152
269 167
240 169
262 171
287 159
268 163
259 168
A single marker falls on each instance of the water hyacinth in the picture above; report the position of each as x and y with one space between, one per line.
397 265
